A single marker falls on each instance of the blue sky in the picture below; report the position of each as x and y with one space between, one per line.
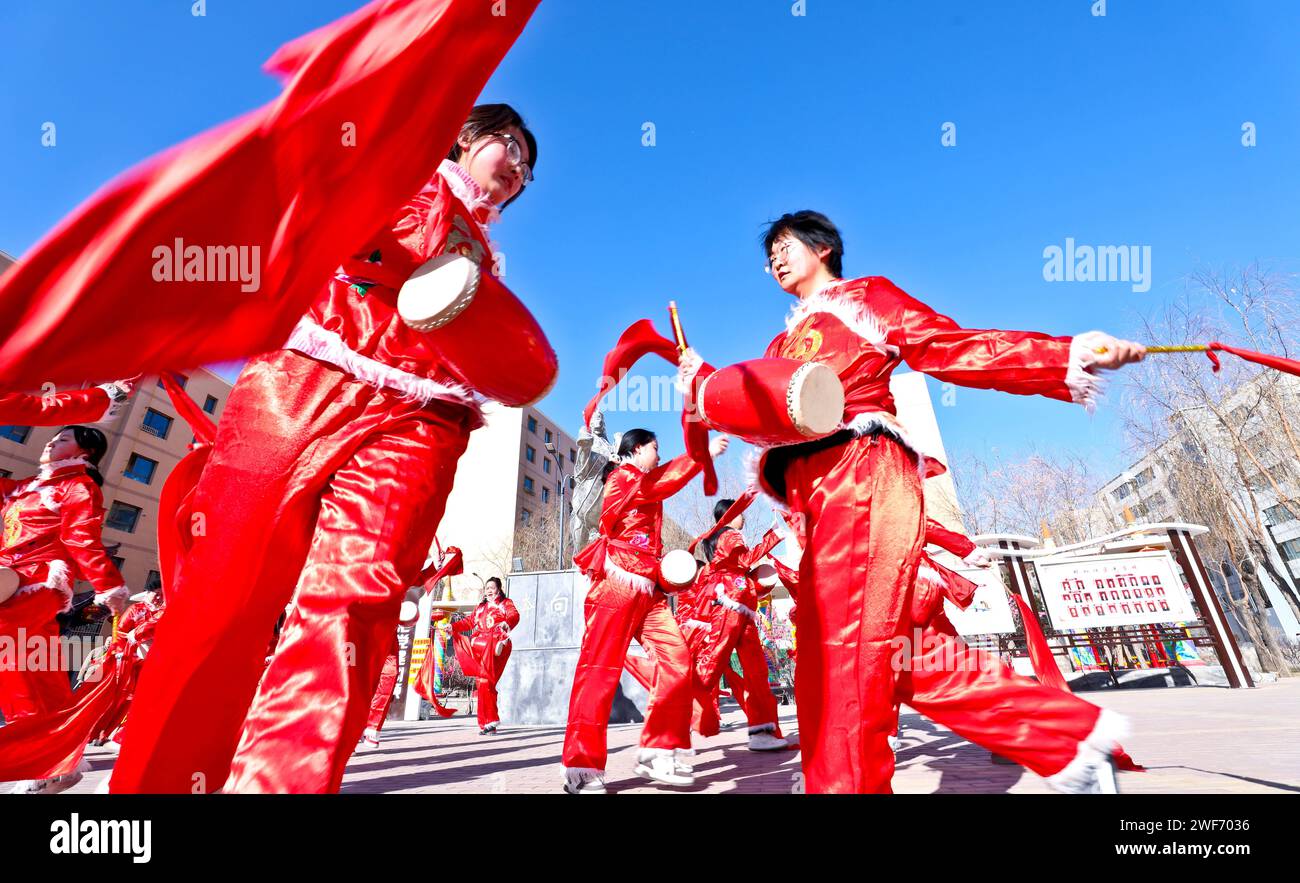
1115 130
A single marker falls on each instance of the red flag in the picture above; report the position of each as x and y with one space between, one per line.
1277 363
42 746
205 431
640 339
452 564
742 503
275 199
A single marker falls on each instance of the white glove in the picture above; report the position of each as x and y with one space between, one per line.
114 599
978 558
688 365
718 446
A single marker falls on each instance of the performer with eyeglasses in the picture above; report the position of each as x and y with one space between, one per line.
859 494
329 475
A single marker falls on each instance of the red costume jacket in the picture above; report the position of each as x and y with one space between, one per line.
864 328
52 526
726 580
491 624
631 523
354 324
135 628
99 404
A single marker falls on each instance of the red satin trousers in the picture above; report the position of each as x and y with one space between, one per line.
860 652
322 490
32 678
615 615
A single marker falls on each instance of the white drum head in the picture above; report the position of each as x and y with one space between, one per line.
816 400
410 613
438 292
678 568
8 583
766 575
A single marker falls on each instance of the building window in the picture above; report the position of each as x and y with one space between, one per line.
1143 477
1279 514
532 425
530 454
525 516
546 495
1291 549
153 580
546 466
210 404
528 485
16 433
549 437
123 516
156 423
573 456
141 469
181 380
5 473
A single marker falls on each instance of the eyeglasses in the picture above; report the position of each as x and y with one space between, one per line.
515 154
782 251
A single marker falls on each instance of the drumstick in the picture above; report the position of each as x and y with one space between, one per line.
676 320
1186 348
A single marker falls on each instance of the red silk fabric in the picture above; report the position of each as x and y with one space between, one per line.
399 75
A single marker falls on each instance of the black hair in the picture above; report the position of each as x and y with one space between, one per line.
485 119
632 439
500 588
95 444
814 230
709 544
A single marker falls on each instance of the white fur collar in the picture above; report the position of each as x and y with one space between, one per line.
49 469
475 198
857 317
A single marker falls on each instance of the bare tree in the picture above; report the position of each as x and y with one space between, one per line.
1227 439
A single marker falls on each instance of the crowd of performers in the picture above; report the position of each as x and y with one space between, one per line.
326 479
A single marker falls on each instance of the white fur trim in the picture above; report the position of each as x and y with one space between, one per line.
312 340
616 574
858 318
47 498
574 773
647 754
732 604
695 624
58 577
1086 387
762 728
927 574
872 422
472 196
1105 737
48 469
118 397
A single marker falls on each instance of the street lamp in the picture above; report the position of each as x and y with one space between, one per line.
559 485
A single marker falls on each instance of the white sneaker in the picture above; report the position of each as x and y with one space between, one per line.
48 786
765 740
659 765
1093 772
684 761
581 781
369 740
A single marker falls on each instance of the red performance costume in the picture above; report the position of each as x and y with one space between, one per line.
52 525
335 454
331 469
723 619
859 492
98 404
625 604
134 638
486 654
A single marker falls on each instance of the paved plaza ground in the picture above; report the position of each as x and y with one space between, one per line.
1206 740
